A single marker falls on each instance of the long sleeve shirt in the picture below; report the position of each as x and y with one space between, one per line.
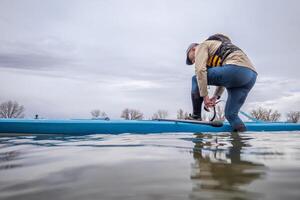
207 49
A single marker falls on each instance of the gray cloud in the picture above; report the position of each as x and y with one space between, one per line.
61 54
31 61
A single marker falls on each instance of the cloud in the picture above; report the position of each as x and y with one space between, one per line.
275 93
62 59
31 61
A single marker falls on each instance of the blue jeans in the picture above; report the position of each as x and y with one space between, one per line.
238 82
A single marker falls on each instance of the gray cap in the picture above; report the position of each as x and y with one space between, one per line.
188 62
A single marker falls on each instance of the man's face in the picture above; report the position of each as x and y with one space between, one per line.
191 54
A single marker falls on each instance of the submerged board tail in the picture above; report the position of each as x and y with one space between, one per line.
213 123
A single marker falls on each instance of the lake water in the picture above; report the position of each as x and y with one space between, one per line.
154 166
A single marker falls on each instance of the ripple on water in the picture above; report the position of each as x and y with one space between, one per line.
154 166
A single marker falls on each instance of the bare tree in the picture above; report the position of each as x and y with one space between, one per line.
11 109
275 116
160 114
131 114
96 113
293 116
135 114
181 114
265 114
125 114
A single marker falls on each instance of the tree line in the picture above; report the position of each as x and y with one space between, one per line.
12 109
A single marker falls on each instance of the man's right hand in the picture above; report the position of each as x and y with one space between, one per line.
213 100
208 102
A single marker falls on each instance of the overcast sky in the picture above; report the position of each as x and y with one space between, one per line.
63 58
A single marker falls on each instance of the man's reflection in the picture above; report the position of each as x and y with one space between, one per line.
219 169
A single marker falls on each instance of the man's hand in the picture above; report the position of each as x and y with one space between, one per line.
208 102
213 100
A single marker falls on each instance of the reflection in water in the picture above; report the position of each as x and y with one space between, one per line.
6 159
162 166
219 171
63 141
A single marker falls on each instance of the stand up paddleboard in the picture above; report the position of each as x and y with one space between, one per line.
89 126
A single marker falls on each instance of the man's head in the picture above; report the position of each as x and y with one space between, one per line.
190 53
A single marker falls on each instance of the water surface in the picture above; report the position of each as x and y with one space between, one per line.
154 166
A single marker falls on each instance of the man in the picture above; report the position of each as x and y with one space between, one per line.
218 62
